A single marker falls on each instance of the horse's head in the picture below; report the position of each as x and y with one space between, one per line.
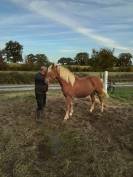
52 72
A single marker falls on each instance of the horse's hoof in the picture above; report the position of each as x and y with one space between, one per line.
66 117
91 110
70 114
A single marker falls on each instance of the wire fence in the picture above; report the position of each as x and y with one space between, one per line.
115 88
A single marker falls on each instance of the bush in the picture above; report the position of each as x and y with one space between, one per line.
77 68
17 77
3 66
73 68
19 67
121 77
126 69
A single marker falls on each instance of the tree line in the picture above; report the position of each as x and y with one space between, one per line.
103 58
12 53
99 59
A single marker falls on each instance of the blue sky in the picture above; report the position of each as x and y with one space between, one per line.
64 27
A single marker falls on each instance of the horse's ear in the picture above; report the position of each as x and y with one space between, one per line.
53 65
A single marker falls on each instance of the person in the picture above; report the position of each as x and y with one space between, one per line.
111 86
41 87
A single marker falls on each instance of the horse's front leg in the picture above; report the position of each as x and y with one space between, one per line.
68 105
71 109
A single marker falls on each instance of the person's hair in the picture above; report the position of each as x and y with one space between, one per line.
43 68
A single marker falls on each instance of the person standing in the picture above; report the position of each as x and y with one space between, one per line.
41 88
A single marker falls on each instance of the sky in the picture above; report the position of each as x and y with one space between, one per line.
62 28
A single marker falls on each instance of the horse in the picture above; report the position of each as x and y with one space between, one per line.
74 86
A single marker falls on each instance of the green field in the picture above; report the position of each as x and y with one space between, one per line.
123 94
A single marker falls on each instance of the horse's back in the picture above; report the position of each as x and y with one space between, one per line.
96 82
84 86
91 80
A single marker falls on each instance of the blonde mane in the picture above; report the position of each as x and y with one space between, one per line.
49 68
67 75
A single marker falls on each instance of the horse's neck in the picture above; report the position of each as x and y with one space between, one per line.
61 81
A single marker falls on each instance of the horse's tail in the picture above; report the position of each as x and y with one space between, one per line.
104 93
99 86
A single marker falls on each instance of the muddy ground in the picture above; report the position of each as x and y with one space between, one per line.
88 145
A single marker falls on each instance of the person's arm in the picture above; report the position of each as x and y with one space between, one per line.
46 84
35 79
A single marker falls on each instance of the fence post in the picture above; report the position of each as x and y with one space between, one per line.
105 80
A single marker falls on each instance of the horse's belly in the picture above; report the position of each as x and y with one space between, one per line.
81 93
82 89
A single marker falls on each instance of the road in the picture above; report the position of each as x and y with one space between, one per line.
14 87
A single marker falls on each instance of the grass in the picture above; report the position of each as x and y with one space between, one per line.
123 94
24 94
15 95
88 145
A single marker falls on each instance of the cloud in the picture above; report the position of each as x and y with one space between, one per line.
59 11
40 36
15 19
68 50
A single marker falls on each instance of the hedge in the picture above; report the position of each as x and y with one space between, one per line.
19 67
23 77
74 68
17 77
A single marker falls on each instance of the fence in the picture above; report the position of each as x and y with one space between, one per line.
121 90
113 85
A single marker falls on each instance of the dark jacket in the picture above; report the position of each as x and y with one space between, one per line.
41 85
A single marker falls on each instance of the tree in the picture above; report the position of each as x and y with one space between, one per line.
82 58
125 59
30 59
41 59
67 61
14 51
103 59
94 56
38 59
2 57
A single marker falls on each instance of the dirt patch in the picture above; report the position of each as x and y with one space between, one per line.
87 145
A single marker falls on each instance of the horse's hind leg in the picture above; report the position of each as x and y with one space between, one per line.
100 96
68 104
93 102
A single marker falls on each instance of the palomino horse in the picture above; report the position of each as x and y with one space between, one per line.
74 86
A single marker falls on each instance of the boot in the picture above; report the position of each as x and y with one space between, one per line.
38 115
43 113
